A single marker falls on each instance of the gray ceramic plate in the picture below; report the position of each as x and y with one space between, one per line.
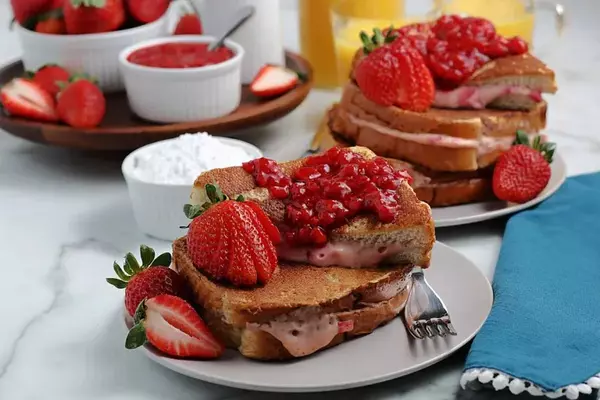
477 212
385 354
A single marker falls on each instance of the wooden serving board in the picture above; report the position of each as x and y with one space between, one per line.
122 130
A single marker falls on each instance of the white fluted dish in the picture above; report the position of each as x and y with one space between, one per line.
95 54
170 95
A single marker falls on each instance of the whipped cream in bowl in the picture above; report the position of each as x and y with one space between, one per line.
160 177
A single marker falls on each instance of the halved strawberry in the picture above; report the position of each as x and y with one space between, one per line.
172 325
273 80
24 98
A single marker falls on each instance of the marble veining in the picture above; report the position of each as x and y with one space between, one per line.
65 217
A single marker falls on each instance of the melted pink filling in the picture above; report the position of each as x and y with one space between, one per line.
484 145
342 254
478 97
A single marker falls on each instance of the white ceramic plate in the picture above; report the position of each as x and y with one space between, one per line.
477 212
385 354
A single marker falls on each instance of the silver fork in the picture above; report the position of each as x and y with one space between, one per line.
425 314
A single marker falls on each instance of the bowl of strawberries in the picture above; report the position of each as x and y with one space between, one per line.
86 36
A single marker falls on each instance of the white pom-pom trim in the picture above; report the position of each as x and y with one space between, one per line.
500 381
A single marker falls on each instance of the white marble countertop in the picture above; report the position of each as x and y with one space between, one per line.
65 216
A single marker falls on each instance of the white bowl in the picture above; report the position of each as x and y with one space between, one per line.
170 95
158 207
95 54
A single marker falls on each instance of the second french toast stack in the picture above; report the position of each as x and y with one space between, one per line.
444 100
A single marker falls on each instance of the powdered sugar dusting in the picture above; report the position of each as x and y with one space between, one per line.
181 160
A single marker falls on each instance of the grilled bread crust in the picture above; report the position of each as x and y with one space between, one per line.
413 227
466 124
226 310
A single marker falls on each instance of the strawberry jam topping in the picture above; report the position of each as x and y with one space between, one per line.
327 190
454 47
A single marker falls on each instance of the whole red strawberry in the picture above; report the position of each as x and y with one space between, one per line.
146 11
23 10
81 103
188 24
394 74
232 240
173 327
49 75
51 26
146 280
523 171
93 16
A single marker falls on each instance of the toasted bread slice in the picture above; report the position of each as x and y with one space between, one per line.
439 139
523 70
228 310
411 235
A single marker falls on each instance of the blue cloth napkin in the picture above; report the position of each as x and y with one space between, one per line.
545 322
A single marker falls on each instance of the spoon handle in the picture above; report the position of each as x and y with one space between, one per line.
245 12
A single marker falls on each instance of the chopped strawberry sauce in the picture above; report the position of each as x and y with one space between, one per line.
327 190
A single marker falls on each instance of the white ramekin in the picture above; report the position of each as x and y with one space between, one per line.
168 95
95 54
158 207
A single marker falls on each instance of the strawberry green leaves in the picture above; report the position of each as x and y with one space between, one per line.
215 195
132 267
137 335
546 148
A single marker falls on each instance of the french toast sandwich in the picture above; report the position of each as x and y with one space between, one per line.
445 98
363 240
318 294
299 310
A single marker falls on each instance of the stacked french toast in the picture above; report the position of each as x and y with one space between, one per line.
445 100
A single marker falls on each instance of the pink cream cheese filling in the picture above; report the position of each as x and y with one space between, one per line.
478 97
343 254
304 331
484 145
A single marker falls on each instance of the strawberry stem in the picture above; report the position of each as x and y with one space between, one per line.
122 275
214 194
147 255
137 335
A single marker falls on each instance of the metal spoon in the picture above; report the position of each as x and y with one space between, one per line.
245 13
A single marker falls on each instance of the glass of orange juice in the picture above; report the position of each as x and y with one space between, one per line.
317 42
351 17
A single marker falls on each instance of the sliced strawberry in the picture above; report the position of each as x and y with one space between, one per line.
266 222
188 24
272 80
417 89
172 326
229 242
23 98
